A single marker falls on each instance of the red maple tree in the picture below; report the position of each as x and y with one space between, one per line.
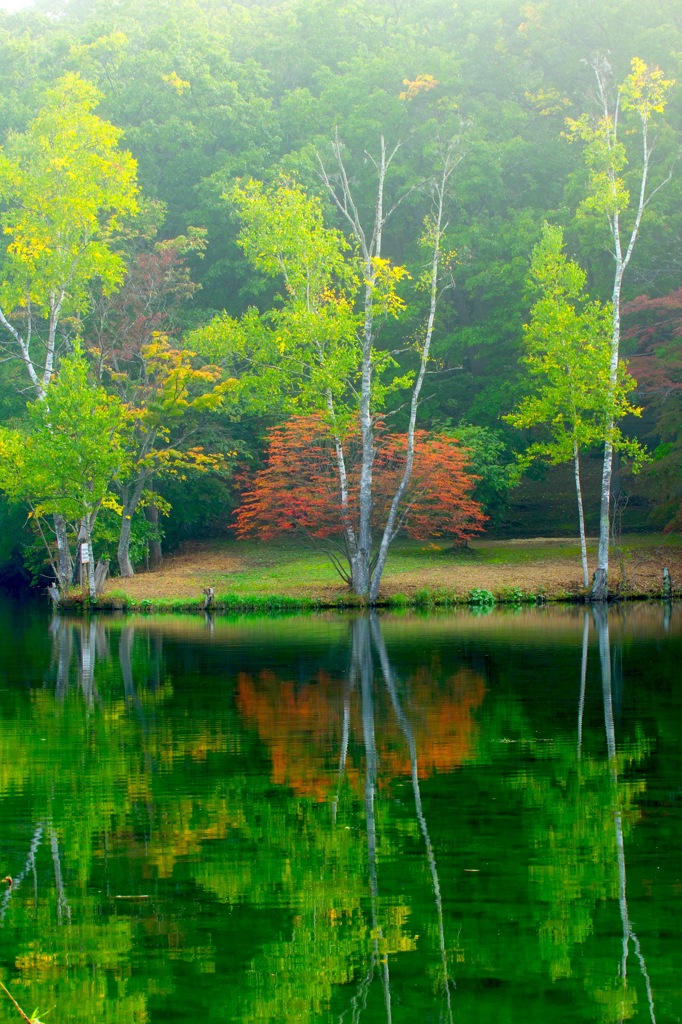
297 489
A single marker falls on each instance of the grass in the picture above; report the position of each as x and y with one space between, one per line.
253 577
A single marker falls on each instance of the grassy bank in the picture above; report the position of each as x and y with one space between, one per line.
250 576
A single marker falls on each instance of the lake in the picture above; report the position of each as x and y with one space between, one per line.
451 817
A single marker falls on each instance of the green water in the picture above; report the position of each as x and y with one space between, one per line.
451 818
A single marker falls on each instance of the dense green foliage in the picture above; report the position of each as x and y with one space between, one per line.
207 92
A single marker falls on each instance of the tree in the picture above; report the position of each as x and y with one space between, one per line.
66 187
567 352
130 335
64 464
643 94
297 490
163 387
321 343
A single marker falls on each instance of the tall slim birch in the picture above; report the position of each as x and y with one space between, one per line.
642 95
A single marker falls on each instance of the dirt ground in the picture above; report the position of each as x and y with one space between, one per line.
537 566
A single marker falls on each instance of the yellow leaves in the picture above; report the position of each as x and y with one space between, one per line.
645 89
112 503
66 186
422 83
548 101
385 277
393 938
177 83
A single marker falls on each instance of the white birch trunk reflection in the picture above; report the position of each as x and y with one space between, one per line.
63 909
30 865
362 667
583 682
412 746
601 621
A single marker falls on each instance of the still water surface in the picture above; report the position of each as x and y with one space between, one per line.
450 818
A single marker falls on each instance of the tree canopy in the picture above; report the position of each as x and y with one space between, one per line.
201 121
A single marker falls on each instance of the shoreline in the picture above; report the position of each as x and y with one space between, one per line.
246 577
233 604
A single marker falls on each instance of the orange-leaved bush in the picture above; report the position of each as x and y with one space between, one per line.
298 488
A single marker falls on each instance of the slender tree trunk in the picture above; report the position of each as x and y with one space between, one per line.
622 254
366 579
151 514
390 528
92 588
123 551
131 499
600 586
581 514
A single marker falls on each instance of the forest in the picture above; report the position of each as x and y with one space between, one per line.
334 270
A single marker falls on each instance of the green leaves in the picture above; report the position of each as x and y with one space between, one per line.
67 188
73 447
568 352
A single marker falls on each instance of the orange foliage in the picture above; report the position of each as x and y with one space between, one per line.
294 726
302 727
298 487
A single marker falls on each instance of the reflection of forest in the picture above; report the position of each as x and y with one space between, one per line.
349 840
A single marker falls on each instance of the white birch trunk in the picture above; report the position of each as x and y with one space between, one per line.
600 588
366 578
581 514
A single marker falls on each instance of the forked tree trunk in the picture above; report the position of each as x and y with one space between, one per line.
366 577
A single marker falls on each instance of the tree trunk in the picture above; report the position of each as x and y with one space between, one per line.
130 503
581 515
101 575
64 563
622 256
151 514
123 551
600 586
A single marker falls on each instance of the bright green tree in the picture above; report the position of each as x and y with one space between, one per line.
66 460
65 187
568 355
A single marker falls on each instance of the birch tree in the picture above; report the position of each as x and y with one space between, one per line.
642 96
65 187
568 355
320 346
66 460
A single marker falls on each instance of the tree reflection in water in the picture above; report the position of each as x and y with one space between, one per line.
601 621
291 807
296 722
